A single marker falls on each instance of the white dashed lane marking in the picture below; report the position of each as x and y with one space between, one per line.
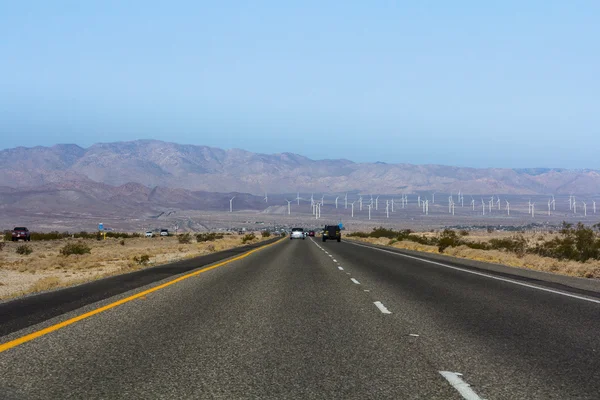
382 308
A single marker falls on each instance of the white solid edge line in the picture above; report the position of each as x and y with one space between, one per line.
355 281
382 308
463 387
485 275
340 268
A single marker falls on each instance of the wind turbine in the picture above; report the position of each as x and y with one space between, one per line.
584 209
574 205
419 201
532 210
549 203
352 204
323 199
231 204
266 198
377 203
426 207
553 203
473 203
483 206
387 208
359 203
392 205
594 204
529 206
498 202
433 198
369 211
289 206
298 198
346 201
336 199
507 207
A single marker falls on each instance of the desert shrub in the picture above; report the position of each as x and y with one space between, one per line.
476 245
516 244
463 232
184 239
247 238
75 248
2 244
358 234
383 232
448 238
144 259
391 242
208 237
24 250
490 229
265 234
283 234
578 243
122 242
7 236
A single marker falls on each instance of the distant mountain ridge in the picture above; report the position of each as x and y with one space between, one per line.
154 163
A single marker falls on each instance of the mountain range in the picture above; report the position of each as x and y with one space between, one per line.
144 168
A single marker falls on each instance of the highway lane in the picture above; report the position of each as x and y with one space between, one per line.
284 322
510 340
306 319
30 310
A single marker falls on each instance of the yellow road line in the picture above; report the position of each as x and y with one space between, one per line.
45 331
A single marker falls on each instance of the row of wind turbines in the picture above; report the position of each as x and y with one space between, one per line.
493 204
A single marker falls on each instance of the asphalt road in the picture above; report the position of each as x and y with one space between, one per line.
311 320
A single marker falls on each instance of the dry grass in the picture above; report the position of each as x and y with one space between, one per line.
46 268
589 269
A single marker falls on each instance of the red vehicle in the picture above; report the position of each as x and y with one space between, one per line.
22 233
311 233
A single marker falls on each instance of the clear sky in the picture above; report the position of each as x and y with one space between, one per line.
470 83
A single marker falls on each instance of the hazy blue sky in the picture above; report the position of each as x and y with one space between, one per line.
472 83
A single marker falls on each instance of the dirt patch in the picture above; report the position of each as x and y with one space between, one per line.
588 269
46 268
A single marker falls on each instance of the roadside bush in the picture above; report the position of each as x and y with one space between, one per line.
383 232
265 234
247 238
358 234
144 259
283 234
75 248
463 232
578 244
516 244
184 239
2 244
448 238
7 236
208 237
476 245
24 250
122 242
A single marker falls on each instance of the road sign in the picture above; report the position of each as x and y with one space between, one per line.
341 225
100 226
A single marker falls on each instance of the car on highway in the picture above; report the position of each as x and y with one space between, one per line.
297 233
149 234
164 232
311 233
21 233
332 232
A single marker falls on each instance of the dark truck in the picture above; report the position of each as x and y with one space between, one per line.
332 232
22 233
